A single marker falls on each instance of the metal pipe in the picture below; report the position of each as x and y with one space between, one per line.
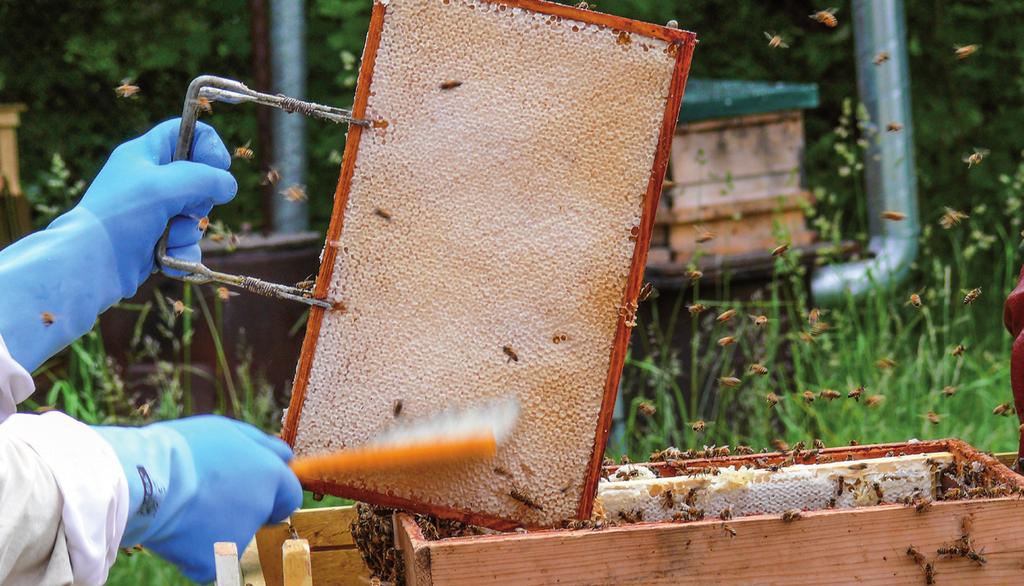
891 182
288 65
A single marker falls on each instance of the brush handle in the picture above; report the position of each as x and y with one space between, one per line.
386 458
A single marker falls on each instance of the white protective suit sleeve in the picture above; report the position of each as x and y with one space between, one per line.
93 491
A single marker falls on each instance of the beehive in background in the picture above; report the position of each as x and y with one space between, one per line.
488 239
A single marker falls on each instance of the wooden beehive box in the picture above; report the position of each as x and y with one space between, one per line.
736 168
14 208
866 545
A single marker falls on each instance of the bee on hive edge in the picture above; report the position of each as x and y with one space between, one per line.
791 515
728 529
915 554
775 41
826 17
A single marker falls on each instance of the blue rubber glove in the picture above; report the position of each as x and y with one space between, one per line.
200 480
54 283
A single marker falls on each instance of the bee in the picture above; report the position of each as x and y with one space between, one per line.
808 396
126 89
975 557
915 300
758 369
952 218
48 318
780 249
1003 409
512 356
726 341
820 328
225 294
959 350
180 308
775 41
855 393
704 235
972 296
646 408
450 84
791 515
933 417
696 308
976 157
645 292
965 51
894 216
885 363
952 494
143 410
694 274
383 213
922 504
295 193
760 320
813 316
881 57
948 391
729 381
203 104
818 444
725 316
728 529
271 177
780 445
668 499
929 574
806 337
916 555
525 499
698 426
203 224
826 17
502 472
742 450
244 152
829 394
874 400
396 408
893 127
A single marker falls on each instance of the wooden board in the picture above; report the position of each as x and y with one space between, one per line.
335 559
429 273
757 232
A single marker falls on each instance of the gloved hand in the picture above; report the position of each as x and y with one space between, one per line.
199 480
54 283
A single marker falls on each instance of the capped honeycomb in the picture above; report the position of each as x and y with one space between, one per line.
748 491
488 233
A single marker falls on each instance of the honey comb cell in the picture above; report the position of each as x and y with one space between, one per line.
519 152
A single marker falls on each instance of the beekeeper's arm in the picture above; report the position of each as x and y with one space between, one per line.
71 494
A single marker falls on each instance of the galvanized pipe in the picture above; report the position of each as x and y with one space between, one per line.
891 182
288 64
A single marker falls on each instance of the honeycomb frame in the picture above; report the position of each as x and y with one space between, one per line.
679 47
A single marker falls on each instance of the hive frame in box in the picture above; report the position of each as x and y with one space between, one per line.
684 43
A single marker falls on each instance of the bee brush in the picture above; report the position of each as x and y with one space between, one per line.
452 436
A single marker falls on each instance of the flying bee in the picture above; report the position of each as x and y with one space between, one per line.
696 308
271 177
806 337
885 363
725 316
244 152
780 249
874 400
225 294
881 57
646 408
965 51
813 316
976 157
694 274
972 296
126 89
959 350
914 300
450 84
1003 409
203 224
933 417
949 391
759 320
726 341
47 318
729 381
829 395
775 41
645 292
698 426
893 216
758 369
295 193
952 218
511 353
180 308
826 17
855 393
791 515
704 235
893 127
143 410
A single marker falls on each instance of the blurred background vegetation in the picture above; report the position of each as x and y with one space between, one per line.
64 58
